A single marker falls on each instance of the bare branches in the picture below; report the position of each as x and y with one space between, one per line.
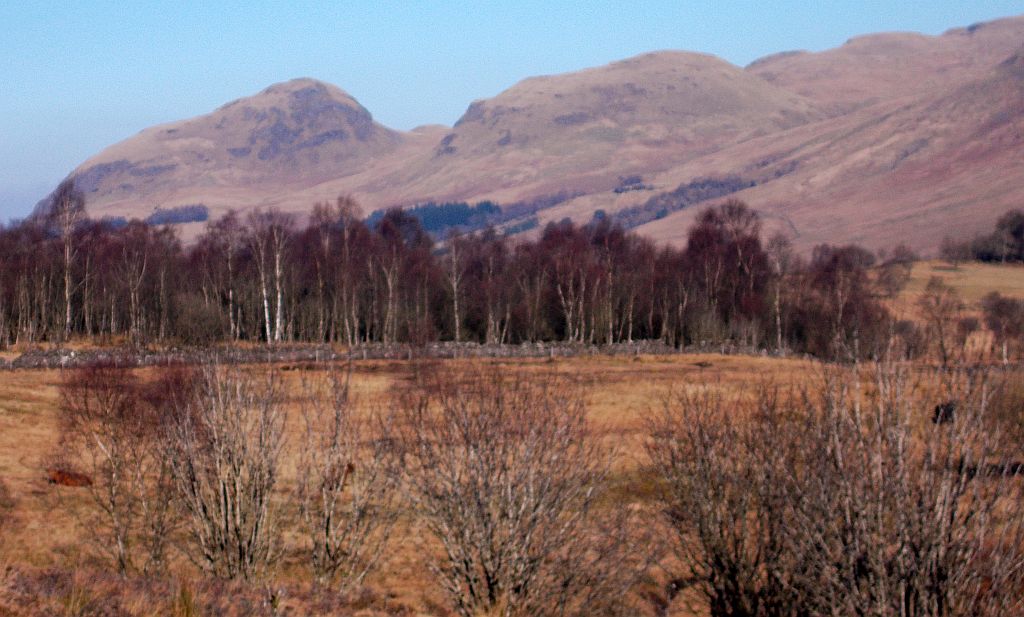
903 516
347 483
724 465
224 448
505 475
113 432
844 500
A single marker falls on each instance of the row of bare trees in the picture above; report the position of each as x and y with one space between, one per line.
265 277
837 497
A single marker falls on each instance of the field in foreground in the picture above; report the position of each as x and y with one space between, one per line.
43 532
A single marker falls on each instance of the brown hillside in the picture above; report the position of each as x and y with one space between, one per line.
878 67
889 138
635 116
947 164
287 137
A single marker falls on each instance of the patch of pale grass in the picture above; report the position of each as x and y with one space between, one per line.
971 280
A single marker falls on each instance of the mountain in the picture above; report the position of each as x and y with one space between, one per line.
887 66
888 138
287 137
945 163
301 141
581 131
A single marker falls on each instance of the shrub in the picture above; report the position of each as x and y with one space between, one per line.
108 428
843 499
506 476
347 483
224 448
198 323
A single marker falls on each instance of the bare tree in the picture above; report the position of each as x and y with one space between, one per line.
270 235
113 432
347 483
224 448
783 261
66 215
135 256
1004 317
455 277
940 305
506 476
894 273
955 252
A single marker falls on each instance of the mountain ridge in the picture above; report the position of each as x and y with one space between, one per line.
806 127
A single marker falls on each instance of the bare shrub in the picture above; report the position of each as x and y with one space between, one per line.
845 499
198 322
1007 405
902 516
724 464
506 475
940 305
107 428
224 446
347 483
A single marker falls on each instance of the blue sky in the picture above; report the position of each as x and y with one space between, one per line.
78 76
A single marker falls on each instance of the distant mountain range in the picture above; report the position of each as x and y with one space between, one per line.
889 138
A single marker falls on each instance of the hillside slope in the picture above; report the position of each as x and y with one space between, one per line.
947 163
891 137
287 137
877 67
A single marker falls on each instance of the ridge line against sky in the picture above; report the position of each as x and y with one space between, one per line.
80 76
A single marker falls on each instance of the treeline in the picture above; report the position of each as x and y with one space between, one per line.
1005 244
265 277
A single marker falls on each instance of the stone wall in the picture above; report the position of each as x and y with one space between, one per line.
288 353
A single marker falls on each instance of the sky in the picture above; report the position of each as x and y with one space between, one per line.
76 77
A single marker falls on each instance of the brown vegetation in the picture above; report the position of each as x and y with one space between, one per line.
506 476
523 488
839 500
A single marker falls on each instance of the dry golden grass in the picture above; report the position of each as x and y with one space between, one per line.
45 544
44 532
971 280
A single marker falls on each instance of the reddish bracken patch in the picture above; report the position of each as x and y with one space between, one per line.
62 477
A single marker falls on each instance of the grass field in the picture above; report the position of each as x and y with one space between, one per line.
42 531
971 280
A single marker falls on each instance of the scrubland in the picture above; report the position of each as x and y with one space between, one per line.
43 525
54 566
